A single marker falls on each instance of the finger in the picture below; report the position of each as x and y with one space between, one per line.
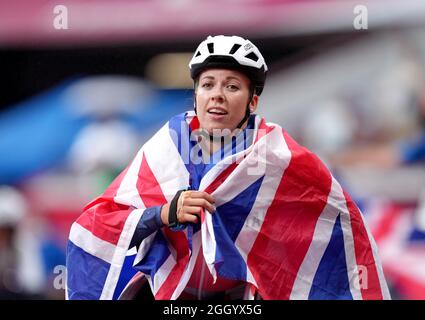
191 210
183 198
202 194
200 202
189 218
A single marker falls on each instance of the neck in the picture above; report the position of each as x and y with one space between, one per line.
217 144
212 145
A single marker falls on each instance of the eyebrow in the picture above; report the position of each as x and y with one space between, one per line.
227 78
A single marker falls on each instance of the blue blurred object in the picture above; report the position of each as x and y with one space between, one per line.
37 134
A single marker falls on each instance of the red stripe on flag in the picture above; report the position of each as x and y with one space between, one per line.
221 178
103 217
149 189
263 129
364 255
289 223
105 220
180 243
194 124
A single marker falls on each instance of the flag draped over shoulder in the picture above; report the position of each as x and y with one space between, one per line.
283 224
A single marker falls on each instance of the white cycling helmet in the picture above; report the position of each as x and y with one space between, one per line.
230 52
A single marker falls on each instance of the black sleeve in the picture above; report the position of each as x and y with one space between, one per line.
148 223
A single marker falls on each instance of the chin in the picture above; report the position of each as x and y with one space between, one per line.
211 128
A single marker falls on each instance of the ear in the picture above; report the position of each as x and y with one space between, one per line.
253 104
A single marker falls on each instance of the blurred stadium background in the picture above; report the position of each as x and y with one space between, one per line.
77 103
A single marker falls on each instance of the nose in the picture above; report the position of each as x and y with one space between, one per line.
217 94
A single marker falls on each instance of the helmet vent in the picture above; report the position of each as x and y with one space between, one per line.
211 47
252 56
234 48
197 54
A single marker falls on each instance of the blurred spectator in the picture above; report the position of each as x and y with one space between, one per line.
330 128
17 277
390 154
109 141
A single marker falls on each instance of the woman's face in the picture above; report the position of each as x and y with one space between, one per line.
222 96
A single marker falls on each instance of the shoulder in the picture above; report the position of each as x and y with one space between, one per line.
304 160
297 151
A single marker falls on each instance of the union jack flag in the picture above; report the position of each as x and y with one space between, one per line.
282 224
400 238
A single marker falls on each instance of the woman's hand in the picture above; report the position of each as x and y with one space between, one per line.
189 206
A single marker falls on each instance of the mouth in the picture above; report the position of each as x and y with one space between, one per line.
217 111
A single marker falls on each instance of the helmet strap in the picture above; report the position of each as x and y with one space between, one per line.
194 97
247 112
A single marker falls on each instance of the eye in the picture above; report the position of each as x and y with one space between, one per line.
206 85
232 87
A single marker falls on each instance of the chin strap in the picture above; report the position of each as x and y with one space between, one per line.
247 112
246 117
194 99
